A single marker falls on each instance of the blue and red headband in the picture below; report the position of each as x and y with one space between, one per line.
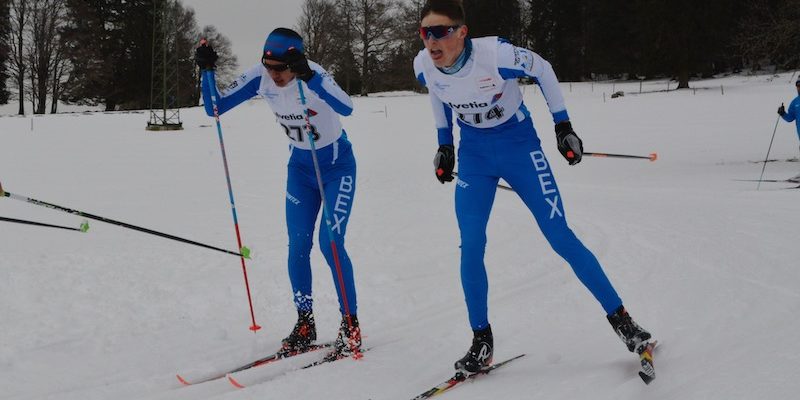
280 41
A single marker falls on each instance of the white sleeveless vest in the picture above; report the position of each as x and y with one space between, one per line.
290 112
482 98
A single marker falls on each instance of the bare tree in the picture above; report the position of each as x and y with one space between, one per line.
17 62
4 31
343 43
769 32
373 26
397 71
46 19
317 25
60 70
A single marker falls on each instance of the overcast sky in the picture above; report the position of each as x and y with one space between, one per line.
246 22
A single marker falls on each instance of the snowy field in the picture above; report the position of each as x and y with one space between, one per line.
706 263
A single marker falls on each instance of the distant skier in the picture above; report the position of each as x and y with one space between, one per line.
282 61
476 80
793 114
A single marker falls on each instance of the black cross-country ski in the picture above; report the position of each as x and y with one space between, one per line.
278 355
458 378
795 159
237 383
768 180
648 372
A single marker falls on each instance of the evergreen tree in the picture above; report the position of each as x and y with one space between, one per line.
558 31
110 48
493 18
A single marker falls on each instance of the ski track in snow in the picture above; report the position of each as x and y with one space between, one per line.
707 264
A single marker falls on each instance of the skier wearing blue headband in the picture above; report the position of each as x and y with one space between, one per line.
282 61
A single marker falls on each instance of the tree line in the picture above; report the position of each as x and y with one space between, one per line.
96 52
100 51
369 44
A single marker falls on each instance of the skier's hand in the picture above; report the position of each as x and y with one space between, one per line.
298 64
205 56
569 144
444 162
781 110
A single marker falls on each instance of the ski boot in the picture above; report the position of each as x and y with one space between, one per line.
348 342
479 355
303 334
634 337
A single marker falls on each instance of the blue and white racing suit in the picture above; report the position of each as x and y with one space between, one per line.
326 101
498 140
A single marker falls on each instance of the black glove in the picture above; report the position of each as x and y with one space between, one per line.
205 56
445 161
569 144
298 64
782 110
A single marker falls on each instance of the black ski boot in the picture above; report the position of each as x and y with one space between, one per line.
303 334
348 342
479 355
630 332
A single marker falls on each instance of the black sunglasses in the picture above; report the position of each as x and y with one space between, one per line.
437 31
276 67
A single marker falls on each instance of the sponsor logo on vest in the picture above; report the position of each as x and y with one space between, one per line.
472 105
546 183
486 83
290 117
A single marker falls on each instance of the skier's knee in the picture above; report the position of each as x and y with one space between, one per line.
300 243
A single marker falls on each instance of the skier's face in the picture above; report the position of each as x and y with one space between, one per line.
444 51
279 72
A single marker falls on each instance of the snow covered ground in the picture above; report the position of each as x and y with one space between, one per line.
708 264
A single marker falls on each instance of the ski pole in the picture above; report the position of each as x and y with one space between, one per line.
111 221
209 77
499 185
83 228
326 214
758 187
651 157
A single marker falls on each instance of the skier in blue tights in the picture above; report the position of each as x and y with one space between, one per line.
274 79
475 80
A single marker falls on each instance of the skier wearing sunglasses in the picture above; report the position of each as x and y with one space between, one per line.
475 81
282 61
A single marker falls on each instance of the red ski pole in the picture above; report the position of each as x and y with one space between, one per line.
326 215
209 77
